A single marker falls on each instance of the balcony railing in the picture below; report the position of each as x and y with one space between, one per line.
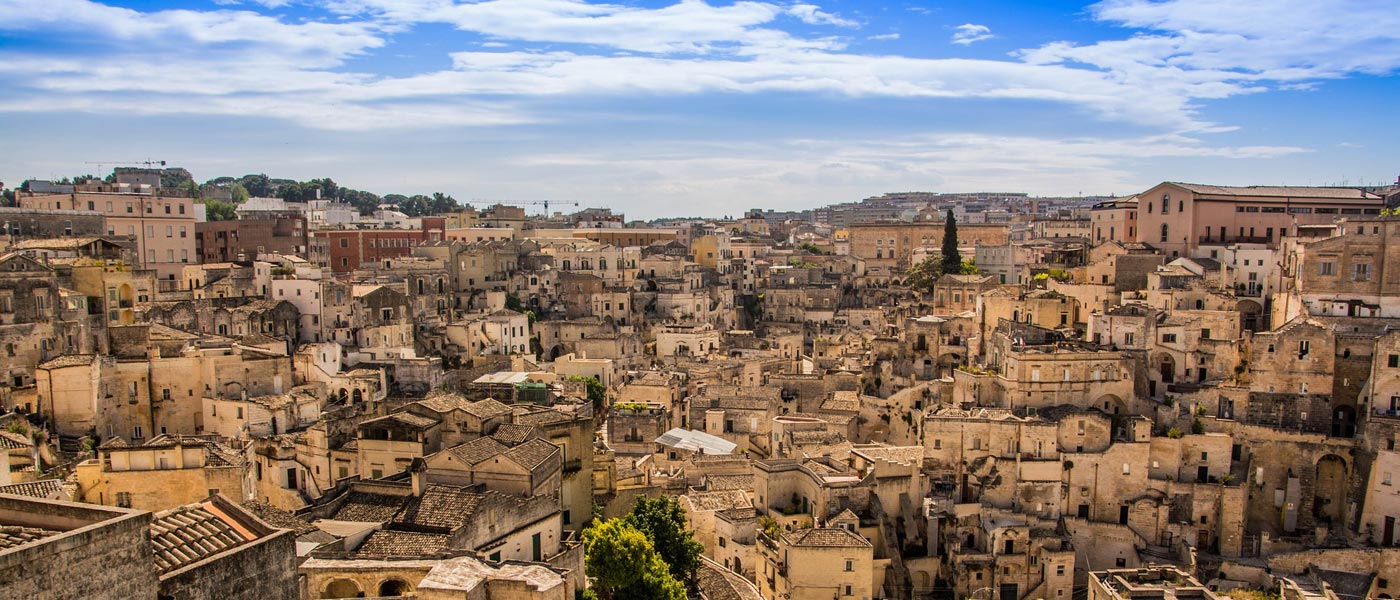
1236 239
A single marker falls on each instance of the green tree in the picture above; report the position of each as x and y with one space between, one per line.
624 565
596 392
923 275
663 521
952 261
218 210
240 193
258 186
442 203
969 267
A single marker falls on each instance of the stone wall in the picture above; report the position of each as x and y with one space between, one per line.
105 555
264 569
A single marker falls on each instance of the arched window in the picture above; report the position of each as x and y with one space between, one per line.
1164 232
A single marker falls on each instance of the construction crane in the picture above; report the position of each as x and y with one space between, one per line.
542 203
126 163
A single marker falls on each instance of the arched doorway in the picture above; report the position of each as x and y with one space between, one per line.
342 588
738 565
1330 490
1251 315
393 587
357 396
1166 368
1344 421
923 584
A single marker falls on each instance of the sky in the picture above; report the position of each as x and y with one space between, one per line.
706 107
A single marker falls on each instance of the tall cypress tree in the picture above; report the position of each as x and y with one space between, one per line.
952 261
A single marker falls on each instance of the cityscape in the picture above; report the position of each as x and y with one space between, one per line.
699 300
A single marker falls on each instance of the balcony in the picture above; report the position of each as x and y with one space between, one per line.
1235 239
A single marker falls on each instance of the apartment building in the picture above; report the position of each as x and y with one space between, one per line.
161 223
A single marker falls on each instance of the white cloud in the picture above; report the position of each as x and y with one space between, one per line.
812 14
884 37
970 33
671 177
221 61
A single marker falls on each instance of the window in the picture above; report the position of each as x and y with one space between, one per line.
851 565
1060 570
1166 203
344 243
1169 338
1303 347
1386 479
937 444
1393 361
1164 232
848 590
1361 272
136 432
1327 268
124 499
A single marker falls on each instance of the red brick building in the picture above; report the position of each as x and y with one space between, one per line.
225 241
344 250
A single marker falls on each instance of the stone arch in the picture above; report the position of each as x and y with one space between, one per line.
343 588
1251 314
1344 421
1111 404
923 583
357 396
1165 366
1330 490
390 588
344 395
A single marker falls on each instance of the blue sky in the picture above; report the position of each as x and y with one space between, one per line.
706 107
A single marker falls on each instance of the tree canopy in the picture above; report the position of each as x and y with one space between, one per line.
624 565
952 260
663 521
218 210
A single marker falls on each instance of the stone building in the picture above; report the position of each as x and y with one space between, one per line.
165 472
817 563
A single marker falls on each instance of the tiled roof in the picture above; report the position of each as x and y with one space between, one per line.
904 455
388 543
403 418
533 453
1277 191
67 360
729 482
486 408
364 506
36 489
539 418
442 402
717 583
11 536
512 434
188 534
722 500
737 514
279 518
478 450
827 537
14 441
441 506
843 401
